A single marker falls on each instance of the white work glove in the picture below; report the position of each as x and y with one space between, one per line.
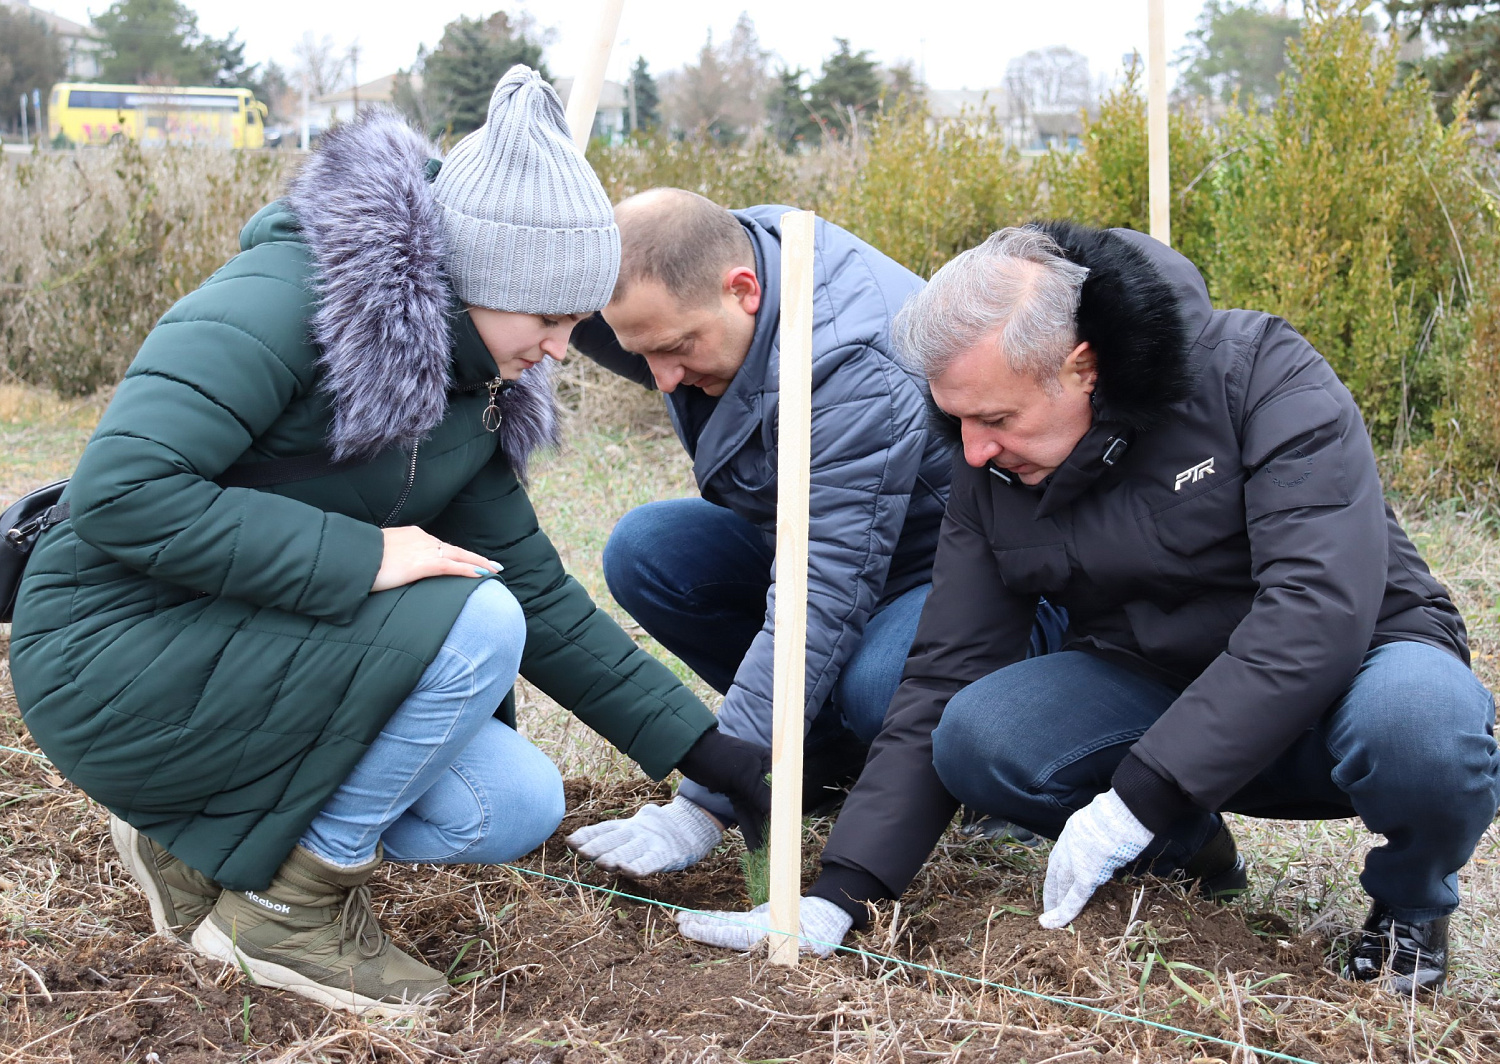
823 927
1099 839
659 838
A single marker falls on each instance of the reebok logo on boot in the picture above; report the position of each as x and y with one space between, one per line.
266 903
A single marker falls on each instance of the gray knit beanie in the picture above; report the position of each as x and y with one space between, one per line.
527 223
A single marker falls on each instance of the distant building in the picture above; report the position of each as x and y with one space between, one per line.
610 119
336 107
992 109
341 106
81 44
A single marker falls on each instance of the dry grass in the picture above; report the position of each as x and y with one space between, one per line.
549 971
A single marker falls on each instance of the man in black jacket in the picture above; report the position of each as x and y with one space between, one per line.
1250 628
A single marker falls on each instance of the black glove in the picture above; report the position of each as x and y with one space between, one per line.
737 770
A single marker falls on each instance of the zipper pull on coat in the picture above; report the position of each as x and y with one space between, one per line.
491 417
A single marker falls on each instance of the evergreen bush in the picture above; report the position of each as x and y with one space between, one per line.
1347 207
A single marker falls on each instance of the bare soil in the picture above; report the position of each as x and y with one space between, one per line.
547 971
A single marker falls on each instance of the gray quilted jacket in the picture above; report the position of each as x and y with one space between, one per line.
879 477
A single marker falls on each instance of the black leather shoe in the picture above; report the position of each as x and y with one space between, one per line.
977 825
1405 956
1219 868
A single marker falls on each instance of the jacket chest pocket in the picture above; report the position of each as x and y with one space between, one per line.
1040 570
1205 534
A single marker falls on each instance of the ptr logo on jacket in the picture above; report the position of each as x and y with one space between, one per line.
1194 474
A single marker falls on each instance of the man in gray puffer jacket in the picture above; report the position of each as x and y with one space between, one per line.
698 300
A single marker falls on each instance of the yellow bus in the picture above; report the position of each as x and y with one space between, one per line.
155 115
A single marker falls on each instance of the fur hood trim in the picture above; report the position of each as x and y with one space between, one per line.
368 214
1134 319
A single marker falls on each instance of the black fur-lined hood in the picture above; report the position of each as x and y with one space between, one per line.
1141 308
365 206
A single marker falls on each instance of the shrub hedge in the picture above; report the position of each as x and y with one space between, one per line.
1347 207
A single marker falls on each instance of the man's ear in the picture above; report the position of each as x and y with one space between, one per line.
741 285
1083 363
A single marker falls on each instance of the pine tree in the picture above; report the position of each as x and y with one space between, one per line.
848 90
154 42
647 97
1468 36
791 121
227 60
459 75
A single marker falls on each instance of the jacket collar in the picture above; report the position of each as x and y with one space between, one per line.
1142 306
392 347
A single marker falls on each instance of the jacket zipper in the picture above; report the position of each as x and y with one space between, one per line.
411 478
491 421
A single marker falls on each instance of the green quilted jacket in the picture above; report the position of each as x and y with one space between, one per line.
209 663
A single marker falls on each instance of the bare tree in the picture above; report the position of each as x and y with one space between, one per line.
1042 87
321 65
724 93
1050 79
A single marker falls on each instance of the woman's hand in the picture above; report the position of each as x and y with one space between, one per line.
412 554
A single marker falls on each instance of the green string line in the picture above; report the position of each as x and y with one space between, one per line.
1037 995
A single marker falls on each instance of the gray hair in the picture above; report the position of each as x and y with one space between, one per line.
1017 284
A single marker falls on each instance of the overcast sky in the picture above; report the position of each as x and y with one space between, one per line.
959 43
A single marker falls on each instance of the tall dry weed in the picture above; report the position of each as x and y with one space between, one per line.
100 243
1347 207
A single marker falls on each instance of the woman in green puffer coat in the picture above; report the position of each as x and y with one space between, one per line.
270 686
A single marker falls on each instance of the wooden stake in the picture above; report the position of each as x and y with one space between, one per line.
583 100
1156 122
789 685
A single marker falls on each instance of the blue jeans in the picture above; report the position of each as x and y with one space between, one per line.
445 782
1409 749
696 577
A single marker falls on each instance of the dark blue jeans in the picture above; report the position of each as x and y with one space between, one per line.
696 576
1409 749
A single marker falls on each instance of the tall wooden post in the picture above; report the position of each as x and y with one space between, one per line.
789 686
588 82
1160 176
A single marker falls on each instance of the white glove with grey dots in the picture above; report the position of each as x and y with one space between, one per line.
659 838
824 926
1096 842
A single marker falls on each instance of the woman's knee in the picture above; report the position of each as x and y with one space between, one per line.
490 632
526 818
520 788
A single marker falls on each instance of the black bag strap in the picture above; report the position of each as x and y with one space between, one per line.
274 471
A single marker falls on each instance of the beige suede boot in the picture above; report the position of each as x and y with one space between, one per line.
179 896
313 932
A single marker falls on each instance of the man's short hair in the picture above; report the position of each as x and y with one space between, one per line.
680 239
1017 284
